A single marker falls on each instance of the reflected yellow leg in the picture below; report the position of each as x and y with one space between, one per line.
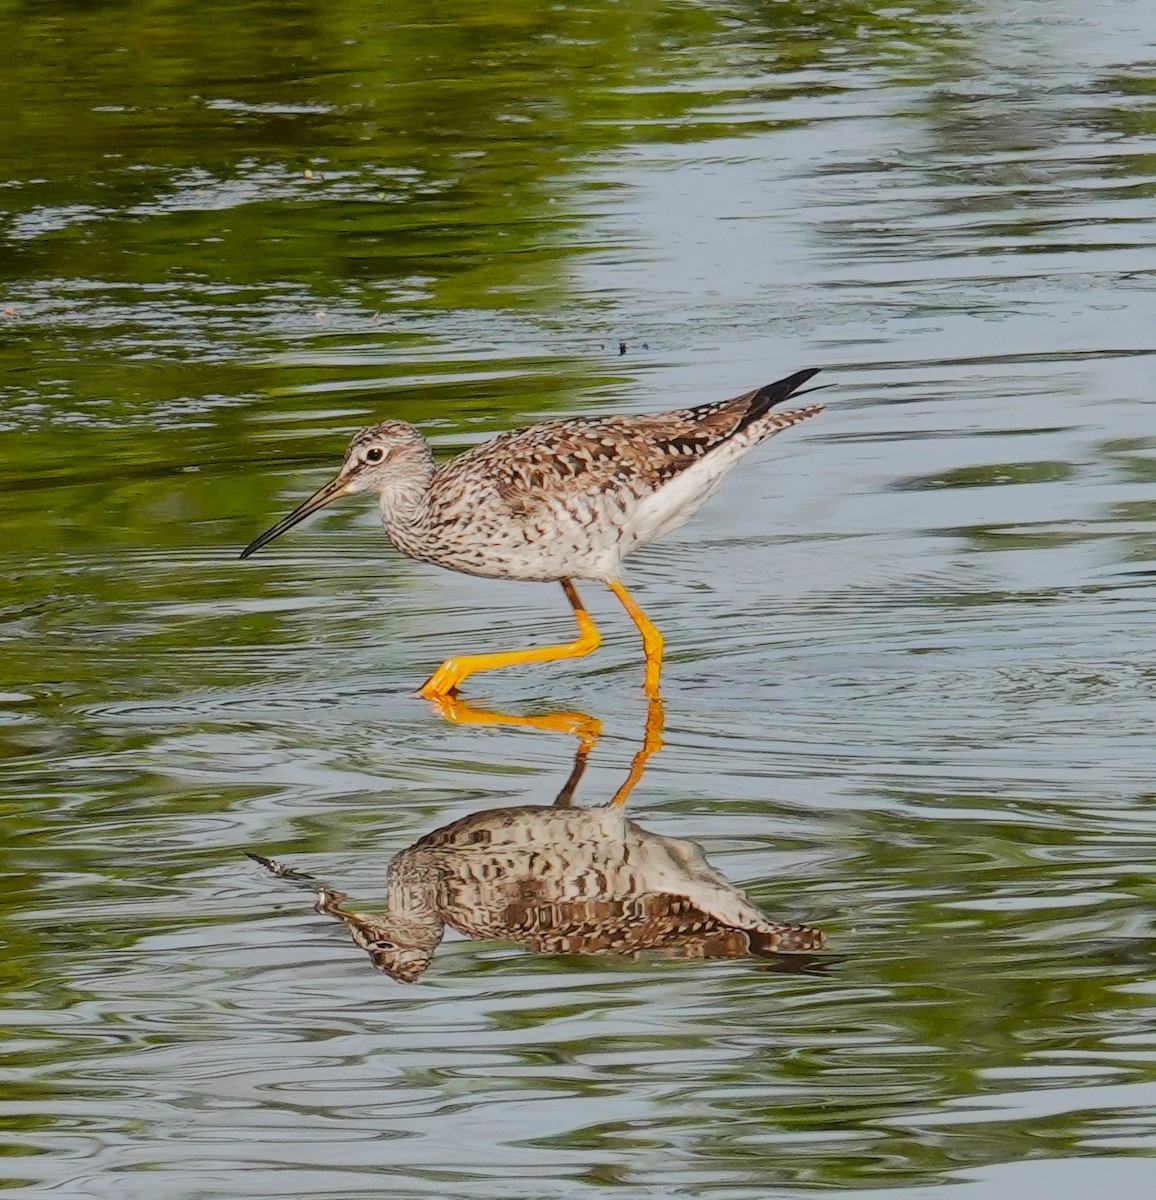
451 673
651 742
652 641
586 728
565 796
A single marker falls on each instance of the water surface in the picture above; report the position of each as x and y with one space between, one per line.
910 682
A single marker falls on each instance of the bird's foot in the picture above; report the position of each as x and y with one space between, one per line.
444 681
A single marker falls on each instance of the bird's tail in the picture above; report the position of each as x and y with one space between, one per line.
786 939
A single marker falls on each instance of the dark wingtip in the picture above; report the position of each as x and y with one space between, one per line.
782 389
775 393
788 939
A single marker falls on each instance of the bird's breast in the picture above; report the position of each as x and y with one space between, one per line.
548 541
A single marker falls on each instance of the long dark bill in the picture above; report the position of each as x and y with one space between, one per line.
330 492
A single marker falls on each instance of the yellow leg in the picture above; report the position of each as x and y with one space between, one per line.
651 639
652 742
451 673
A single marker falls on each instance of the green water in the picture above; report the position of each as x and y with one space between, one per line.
911 663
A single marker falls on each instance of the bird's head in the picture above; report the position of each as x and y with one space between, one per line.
400 948
376 458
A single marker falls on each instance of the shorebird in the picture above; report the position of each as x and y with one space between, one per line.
561 500
557 881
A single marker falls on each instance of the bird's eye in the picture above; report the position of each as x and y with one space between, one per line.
374 454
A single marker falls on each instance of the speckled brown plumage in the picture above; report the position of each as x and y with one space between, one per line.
556 880
561 500
619 460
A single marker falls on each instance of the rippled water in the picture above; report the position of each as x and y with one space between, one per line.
910 681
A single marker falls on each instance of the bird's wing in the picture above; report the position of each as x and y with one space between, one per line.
600 455
669 924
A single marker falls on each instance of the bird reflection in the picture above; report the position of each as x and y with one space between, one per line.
558 879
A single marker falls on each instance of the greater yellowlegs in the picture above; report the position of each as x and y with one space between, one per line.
562 500
557 881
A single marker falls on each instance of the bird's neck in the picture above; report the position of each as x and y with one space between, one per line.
404 502
412 892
